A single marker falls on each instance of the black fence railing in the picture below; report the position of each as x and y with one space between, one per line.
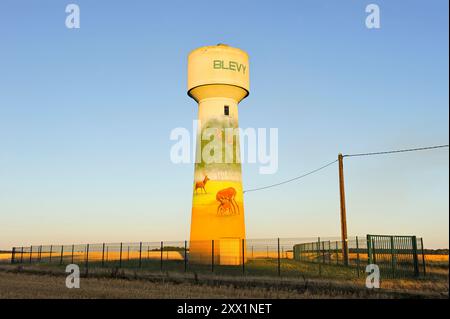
395 256
263 257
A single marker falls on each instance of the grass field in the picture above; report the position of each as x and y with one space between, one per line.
299 280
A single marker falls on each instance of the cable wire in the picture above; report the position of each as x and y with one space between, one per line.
347 155
397 151
292 179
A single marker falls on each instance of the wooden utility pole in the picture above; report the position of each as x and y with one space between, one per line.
343 213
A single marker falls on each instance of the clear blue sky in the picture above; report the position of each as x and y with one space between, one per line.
85 116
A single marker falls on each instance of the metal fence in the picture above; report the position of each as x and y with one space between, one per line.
265 257
395 256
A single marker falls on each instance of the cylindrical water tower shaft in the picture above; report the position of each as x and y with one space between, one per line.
218 79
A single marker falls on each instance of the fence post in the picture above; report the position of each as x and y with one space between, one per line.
369 250
87 259
162 247
243 256
423 257
21 253
50 255
40 253
128 254
337 253
279 266
392 256
185 255
31 252
416 262
357 256
329 252
103 254
73 247
62 252
140 254
373 249
323 252
120 256
318 249
13 253
212 255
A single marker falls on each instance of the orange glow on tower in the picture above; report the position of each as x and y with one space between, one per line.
218 79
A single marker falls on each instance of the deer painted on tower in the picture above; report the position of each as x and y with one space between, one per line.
201 184
228 205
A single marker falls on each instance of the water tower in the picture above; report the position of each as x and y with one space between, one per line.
218 79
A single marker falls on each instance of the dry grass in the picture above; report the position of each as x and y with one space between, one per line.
20 285
436 258
42 282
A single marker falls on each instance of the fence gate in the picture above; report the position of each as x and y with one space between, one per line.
395 256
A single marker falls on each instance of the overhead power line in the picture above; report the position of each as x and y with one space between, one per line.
398 151
292 179
347 155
